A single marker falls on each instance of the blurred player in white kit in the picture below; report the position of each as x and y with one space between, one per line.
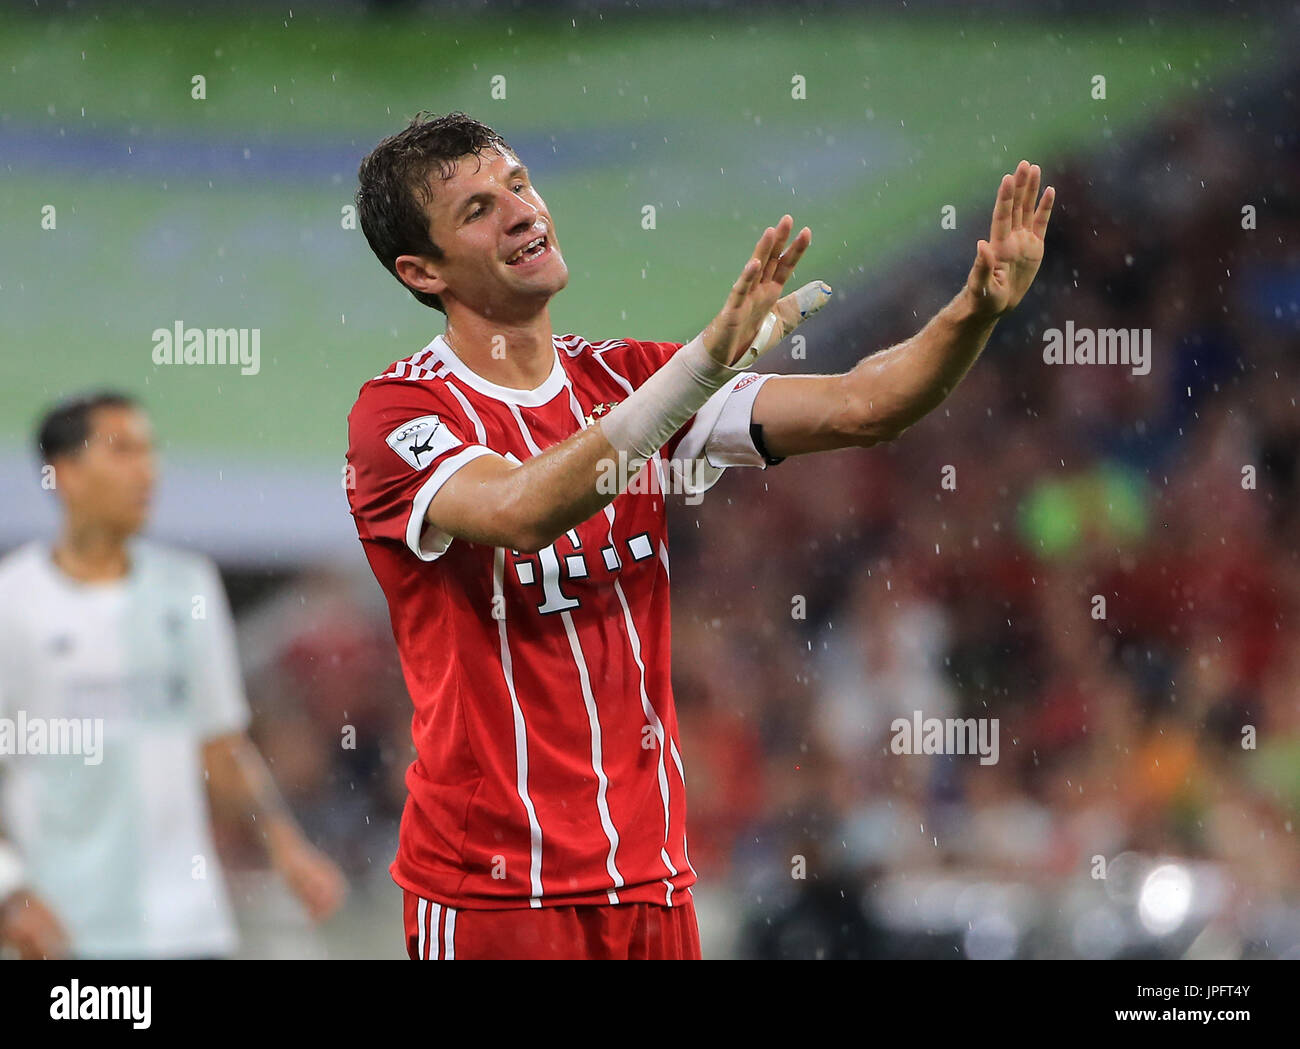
123 651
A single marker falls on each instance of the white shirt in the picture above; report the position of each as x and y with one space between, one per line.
119 844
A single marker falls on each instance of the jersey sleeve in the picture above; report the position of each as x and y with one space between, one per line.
721 434
404 443
218 681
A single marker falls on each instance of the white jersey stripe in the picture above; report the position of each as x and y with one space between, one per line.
602 781
429 368
521 740
400 367
417 369
648 708
440 370
677 760
574 406
627 386
523 429
572 344
479 431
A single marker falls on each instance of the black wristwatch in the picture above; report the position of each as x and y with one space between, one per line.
756 435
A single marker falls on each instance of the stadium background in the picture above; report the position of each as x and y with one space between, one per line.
1119 738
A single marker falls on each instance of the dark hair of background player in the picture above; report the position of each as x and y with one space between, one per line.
65 428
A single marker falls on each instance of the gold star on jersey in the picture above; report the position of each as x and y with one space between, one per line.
597 411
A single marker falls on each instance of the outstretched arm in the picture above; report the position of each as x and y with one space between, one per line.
887 392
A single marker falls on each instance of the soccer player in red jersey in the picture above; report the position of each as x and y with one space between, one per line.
508 487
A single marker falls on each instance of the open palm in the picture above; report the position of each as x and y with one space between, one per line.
756 291
1006 263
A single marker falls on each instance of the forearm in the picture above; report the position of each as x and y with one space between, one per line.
890 390
535 501
239 781
528 505
642 423
241 787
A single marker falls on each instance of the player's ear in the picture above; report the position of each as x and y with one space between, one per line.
420 273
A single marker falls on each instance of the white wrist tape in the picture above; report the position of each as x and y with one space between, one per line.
640 425
810 298
11 870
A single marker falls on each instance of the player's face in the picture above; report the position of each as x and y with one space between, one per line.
110 481
481 217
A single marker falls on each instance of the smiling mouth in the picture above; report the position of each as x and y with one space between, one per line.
539 247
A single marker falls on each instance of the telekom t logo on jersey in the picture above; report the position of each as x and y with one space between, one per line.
547 568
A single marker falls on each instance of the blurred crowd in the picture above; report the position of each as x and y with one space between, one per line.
1147 790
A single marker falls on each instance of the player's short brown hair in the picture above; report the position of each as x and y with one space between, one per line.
397 185
65 428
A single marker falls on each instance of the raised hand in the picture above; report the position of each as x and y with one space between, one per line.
1006 263
732 332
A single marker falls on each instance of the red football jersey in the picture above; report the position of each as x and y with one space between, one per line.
547 767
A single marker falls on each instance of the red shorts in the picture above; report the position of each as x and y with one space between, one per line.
645 931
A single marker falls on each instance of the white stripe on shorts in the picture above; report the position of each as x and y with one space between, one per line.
435 910
449 937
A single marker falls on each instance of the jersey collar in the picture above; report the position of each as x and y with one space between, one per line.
533 398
